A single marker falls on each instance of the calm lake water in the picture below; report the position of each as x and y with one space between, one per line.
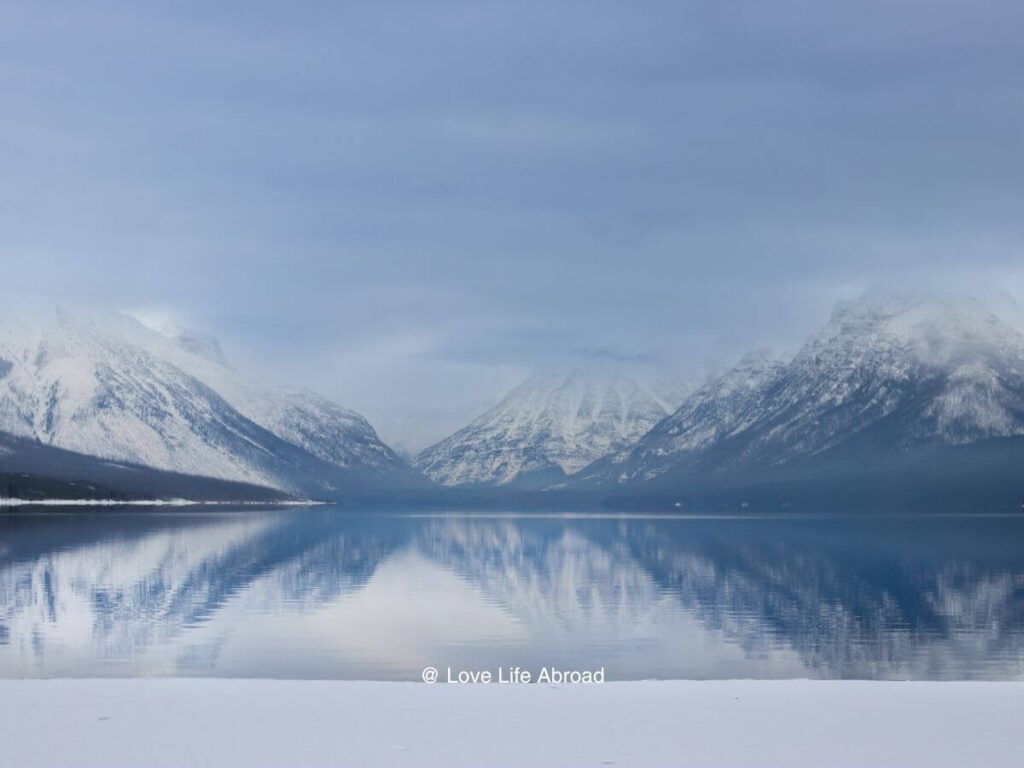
327 593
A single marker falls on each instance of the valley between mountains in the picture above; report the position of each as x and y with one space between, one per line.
911 401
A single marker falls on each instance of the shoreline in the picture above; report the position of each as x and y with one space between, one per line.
255 723
7 502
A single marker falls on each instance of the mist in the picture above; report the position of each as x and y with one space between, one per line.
408 207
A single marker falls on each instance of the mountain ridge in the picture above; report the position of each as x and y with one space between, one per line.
896 374
105 385
551 425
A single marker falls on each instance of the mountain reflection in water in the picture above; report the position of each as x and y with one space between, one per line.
327 593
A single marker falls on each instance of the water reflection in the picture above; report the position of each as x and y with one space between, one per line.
326 593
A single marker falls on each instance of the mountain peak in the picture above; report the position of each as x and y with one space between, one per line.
105 384
554 423
939 331
885 373
885 308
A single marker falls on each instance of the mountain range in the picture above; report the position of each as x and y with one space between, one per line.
893 398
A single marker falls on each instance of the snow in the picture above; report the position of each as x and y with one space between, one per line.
15 502
9 502
255 723
106 385
559 419
942 370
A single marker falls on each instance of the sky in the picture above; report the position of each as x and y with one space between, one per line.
409 205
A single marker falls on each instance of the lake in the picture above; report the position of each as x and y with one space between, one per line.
323 592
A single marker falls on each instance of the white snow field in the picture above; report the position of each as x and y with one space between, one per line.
744 724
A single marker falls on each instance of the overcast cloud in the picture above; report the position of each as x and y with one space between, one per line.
408 204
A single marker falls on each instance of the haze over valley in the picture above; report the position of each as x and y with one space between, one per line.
890 385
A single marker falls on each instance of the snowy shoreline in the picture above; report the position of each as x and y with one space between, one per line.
7 502
254 723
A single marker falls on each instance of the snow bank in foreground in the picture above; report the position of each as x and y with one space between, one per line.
256 723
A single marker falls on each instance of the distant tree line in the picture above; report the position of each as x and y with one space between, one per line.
25 486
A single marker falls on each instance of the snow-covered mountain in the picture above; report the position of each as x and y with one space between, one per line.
105 385
883 374
553 424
